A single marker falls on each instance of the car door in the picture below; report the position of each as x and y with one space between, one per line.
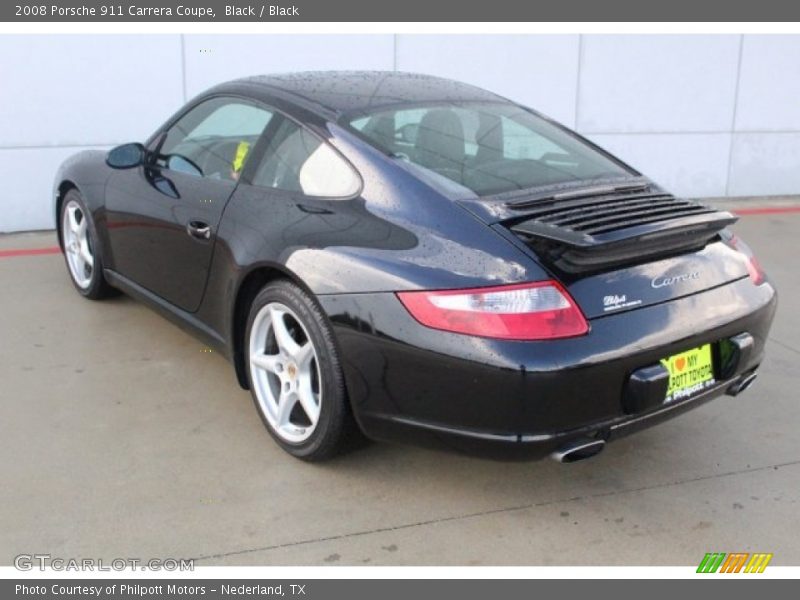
162 217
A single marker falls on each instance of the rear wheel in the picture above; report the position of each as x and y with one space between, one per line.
79 241
294 374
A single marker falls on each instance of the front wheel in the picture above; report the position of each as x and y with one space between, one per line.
79 242
295 375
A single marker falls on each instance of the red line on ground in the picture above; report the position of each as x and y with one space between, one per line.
29 252
767 210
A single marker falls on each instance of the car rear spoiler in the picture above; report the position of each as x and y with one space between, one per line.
603 228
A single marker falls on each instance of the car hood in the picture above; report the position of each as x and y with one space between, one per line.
657 281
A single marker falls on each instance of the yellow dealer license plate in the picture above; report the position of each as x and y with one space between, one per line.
690 373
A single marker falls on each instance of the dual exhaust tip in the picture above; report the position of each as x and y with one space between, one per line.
584 448
741 384
580 449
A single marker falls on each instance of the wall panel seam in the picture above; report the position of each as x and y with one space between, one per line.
183 66
733 118
578 81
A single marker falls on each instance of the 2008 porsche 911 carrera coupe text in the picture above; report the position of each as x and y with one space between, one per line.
417 259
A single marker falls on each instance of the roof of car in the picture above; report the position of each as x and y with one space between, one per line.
349 92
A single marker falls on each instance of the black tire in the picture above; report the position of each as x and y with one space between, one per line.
97 288
335 429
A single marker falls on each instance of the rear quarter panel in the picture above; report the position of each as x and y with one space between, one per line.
397 234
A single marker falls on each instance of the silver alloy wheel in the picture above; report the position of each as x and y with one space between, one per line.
77 245
284 372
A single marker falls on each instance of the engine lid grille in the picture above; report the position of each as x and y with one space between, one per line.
605 226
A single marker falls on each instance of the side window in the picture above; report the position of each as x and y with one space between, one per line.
298 161
214 139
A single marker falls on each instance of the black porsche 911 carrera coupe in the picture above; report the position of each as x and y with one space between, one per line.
417 259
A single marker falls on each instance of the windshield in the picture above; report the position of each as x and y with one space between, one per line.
488 148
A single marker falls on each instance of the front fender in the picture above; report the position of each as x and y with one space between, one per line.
87 172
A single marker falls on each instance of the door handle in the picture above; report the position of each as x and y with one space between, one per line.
199 230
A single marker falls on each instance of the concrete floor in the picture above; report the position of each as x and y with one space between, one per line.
121 437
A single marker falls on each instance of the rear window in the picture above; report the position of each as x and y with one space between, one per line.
488 148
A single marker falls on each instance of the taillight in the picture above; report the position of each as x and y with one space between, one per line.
541 310
754 269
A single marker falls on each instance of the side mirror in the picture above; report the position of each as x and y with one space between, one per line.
126 156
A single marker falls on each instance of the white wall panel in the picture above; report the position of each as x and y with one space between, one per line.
539 71
27 176
765 163
769 84
686 164
666 104
65 90
212 59
645 83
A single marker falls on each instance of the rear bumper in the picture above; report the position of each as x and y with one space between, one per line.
526 399
527 446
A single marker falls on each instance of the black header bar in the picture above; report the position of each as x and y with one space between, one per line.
398 11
